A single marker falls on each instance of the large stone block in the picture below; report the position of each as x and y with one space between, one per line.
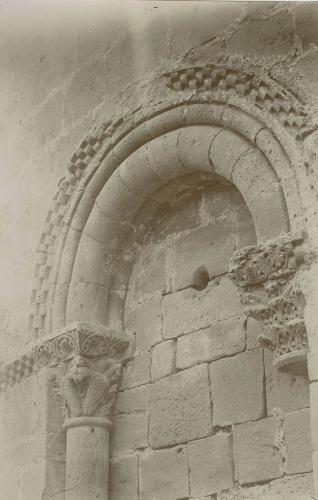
130 433
124 479
298 441
237 388
133 400
189 310
163 359
180 408
210 464
297 487
284 390
164 475
136 372
220 340
145 320
256 454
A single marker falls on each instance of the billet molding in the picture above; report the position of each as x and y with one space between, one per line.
92 344
267 96
266 274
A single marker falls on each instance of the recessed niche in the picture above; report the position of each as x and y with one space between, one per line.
200 278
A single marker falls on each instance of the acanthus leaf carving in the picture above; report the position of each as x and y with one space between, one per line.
267 276
85 363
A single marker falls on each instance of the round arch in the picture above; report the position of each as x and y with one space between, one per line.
192 137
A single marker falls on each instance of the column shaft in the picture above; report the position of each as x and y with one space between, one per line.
87 463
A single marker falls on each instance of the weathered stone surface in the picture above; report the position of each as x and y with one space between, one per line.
210 246
180 408
124 479
85 302
145 320
306 23
116 201
130 433
181 214
48 121
297 487
266 40
284 390
194 146
189 310
256 455
220 340
79 98
224 158
136 372
148 277
210 464
133 400
163 359
164 474
55 85
254 329
33 480
298 441
237 388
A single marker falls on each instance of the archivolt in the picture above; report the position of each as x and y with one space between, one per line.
204 137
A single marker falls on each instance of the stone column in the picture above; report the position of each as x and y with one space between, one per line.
86 366
279 283
311 319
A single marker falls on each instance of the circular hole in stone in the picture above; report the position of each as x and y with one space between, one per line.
200 278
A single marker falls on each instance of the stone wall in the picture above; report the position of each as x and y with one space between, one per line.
201 411
64 69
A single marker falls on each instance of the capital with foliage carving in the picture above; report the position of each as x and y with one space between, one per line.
267 276
86 362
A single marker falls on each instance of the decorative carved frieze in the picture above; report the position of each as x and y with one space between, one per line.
79 339
266 274
271 264
13 373
219 77
95 345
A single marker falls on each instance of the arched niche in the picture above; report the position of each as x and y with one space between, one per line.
184 250
190 139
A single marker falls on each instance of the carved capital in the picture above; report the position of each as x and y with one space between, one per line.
267 276
79 339
85 361
273 262
87 387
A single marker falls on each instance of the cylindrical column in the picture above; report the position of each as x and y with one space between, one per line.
85 376
310 289
87 458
